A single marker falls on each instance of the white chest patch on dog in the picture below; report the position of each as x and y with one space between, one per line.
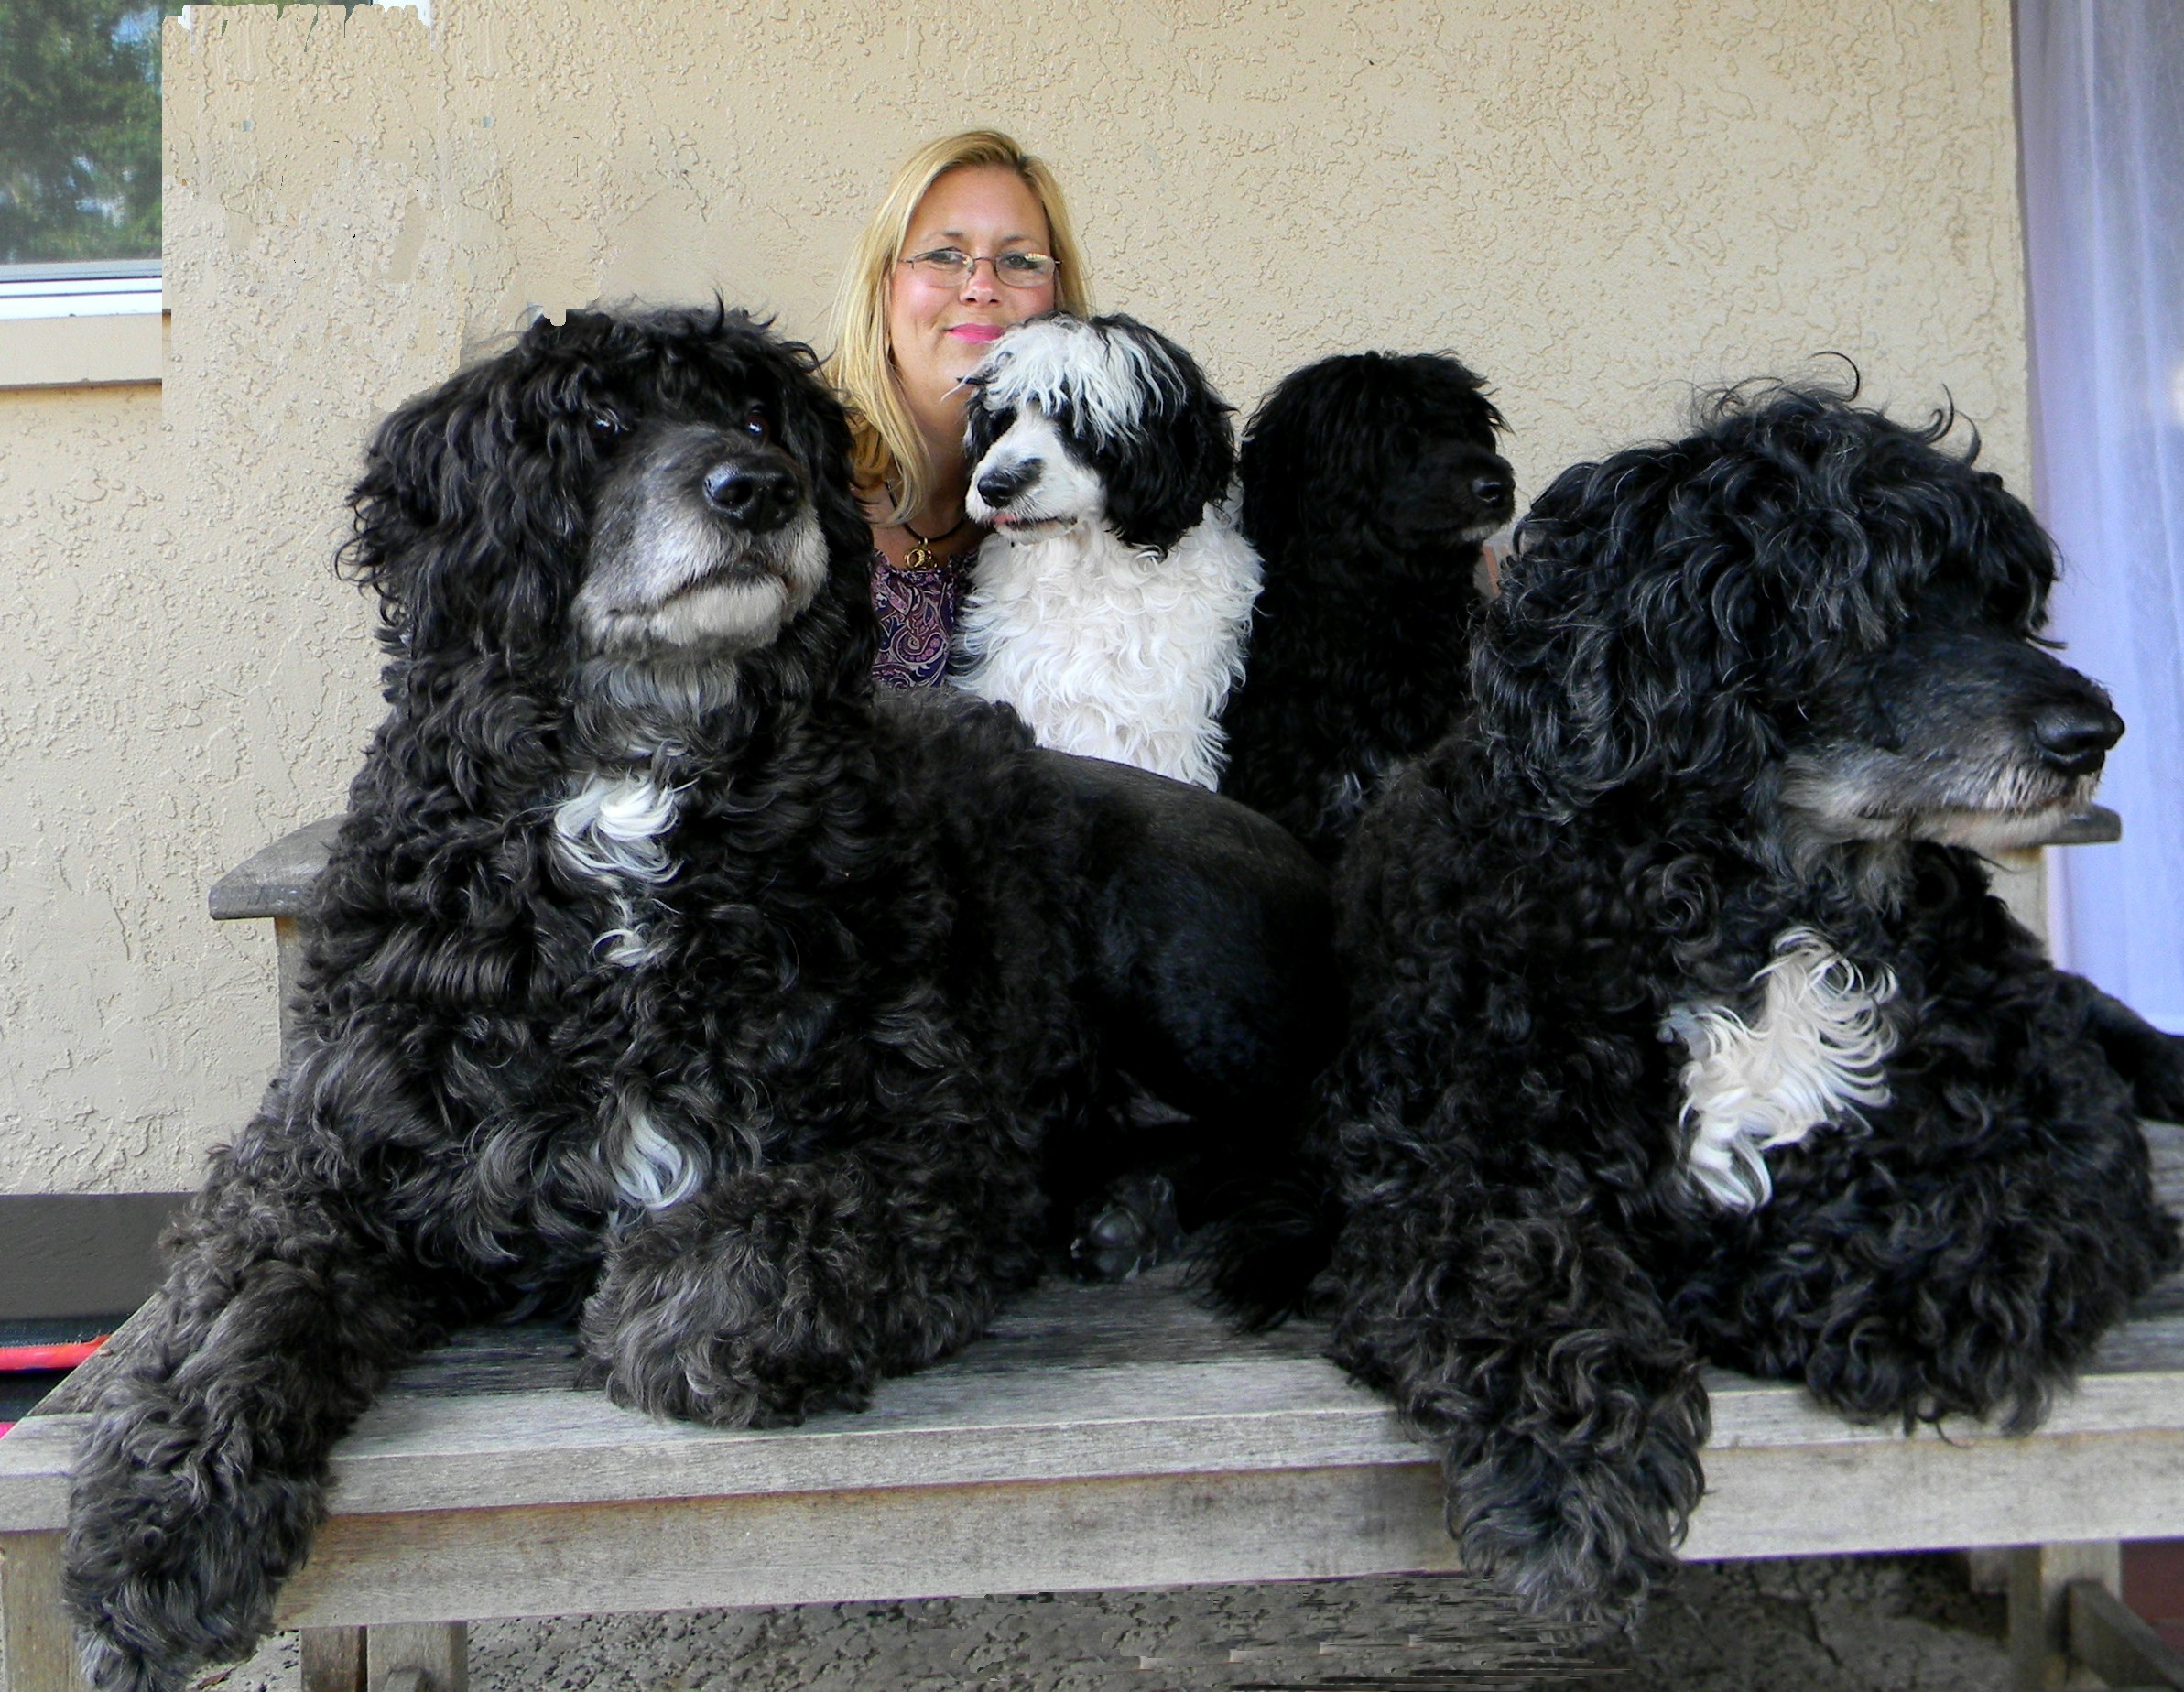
1110 651
614 828
1816 1051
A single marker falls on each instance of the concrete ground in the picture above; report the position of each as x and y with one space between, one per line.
1827 1625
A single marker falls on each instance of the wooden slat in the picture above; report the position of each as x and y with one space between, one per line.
275 880
902 1543
333 1659
406 1658
36 1652
2115 1645
2040 1578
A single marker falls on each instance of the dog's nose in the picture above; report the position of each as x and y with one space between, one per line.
2075 738
752 496
1004 481
1490 490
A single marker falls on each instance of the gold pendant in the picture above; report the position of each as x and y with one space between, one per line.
920 555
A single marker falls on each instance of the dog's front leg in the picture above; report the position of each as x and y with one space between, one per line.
202 1479
780 1291
1521 1339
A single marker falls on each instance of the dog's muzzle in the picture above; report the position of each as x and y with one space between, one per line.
700 537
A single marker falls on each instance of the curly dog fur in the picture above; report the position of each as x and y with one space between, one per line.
1369 482
1686 1025
660 972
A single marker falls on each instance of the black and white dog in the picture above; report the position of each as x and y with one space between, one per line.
1369 482
1109 605
660 972
1686 1025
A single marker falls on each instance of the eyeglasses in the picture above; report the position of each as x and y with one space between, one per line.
954 267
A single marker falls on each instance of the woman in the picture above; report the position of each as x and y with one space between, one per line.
973 236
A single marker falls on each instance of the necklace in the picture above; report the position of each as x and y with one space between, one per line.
920 555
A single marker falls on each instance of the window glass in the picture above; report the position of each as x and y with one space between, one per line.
80 130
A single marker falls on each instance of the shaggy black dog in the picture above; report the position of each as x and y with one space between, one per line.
1686 1025
660 971
1369 482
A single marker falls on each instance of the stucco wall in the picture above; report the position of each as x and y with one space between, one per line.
1600 206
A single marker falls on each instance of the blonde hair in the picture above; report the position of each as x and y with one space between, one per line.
888 453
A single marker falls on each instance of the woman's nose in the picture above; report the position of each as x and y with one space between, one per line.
983 283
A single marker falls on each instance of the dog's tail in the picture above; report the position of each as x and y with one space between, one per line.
203 1475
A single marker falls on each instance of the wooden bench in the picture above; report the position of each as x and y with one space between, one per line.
1098 1438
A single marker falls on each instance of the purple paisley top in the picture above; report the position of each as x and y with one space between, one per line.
917 611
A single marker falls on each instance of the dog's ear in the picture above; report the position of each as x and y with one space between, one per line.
1611 656
469 516
1180 457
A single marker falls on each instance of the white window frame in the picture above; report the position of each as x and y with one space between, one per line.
81 324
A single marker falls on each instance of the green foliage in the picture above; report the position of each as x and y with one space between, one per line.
79 128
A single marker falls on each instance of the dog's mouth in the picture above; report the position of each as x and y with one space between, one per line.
1864 795
1030 525
738 595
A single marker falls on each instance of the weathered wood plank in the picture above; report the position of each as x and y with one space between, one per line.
275 880
412 1658
2040 1578
2115 1645
413 1453
903 1543
37 1652
333 1659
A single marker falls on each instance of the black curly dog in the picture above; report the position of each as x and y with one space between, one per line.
1369 480
1686 1022
659 970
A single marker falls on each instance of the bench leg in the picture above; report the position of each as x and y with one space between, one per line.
37 1652
333 1659
2040 1577
434 1657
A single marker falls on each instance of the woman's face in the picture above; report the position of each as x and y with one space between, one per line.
938 331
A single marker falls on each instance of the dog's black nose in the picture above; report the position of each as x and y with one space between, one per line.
2075 738
753 496
1004 482
1490 490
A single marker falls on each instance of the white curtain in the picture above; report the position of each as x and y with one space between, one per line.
2101 103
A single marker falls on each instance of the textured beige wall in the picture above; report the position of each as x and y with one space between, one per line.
119 738
1600 206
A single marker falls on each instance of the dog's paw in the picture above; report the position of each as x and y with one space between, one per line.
172 1561
1131 1228
725 1350
1581 1524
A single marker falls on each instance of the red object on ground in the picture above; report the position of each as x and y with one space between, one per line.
2154 1586
21 1358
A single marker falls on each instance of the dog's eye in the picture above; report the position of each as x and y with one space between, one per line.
755 424
605 426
